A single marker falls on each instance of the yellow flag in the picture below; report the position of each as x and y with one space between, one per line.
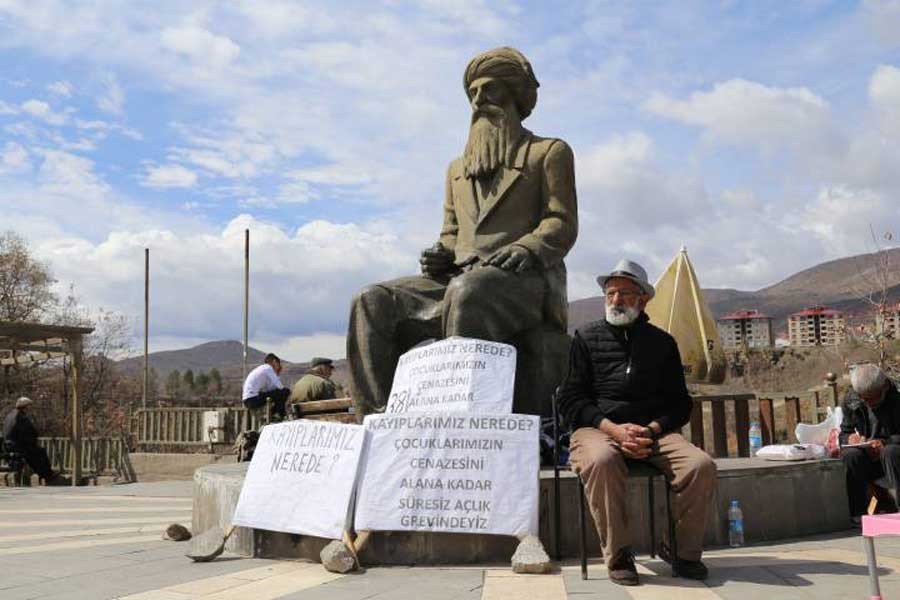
679 308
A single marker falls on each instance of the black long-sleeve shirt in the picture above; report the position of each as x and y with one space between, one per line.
882 423
19 431
627 375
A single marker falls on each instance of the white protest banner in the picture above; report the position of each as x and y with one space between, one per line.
454 472
455 374
301 478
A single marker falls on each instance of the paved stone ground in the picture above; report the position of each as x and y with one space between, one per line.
105 542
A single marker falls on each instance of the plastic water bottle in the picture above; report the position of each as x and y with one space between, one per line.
755 438
735 525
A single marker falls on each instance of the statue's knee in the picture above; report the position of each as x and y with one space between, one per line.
464 291
370 296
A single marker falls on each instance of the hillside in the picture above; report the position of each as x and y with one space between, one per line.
838 283
219 355
835 283
224 355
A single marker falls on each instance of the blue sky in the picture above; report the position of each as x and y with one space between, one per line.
761 135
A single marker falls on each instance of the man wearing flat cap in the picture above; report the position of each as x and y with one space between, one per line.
20 435
625 398
497 269
317 383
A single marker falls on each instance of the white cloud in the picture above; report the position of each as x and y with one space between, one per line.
884 91
232 154
200 46
7 109
884 16
63 89
629 204
303 185
331 175
41 110
112 99
169 176
14 159
294 192
301 282
304 348
841 217
615 159
745 112
70 174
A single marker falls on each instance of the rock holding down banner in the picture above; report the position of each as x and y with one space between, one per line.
455 374
301 478
455 472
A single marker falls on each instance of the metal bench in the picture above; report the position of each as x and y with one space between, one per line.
13 466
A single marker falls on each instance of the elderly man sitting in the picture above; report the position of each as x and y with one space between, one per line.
21 436
317 383
625 397
871 417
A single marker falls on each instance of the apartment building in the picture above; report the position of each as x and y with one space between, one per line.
745 329
817 326
887 321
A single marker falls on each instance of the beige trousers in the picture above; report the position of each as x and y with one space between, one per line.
601 465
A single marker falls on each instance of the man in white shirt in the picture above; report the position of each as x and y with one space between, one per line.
263 383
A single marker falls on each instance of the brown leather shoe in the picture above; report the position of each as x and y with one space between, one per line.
621 568
690 569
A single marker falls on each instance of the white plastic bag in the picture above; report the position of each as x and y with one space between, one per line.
791 451
818 434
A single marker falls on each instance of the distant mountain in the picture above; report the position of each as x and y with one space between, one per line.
224 355
220 355
840 284
837 283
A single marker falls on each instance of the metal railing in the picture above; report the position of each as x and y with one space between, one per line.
99 456
183 427
171 426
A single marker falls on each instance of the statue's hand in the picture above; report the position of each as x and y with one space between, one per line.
437 261
512 258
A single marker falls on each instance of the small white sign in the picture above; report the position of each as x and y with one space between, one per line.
474 473
456 374
301 478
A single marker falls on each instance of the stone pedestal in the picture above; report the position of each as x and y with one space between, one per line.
779 500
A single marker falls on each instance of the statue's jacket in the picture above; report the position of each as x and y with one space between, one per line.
533 205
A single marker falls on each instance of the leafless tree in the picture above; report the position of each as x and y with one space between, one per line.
26 295
25 283
874 287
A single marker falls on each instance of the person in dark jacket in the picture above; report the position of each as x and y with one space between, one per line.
871 417
317 383
625 398
21 436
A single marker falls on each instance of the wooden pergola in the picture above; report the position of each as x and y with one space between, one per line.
24 343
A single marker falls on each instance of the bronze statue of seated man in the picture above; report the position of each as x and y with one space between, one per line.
510 217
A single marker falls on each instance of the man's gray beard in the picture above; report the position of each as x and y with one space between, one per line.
622 317
489 144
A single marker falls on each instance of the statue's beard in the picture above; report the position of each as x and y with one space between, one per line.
491 141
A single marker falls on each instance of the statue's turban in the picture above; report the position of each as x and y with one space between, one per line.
510 66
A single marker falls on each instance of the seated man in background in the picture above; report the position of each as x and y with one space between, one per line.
625 397
263 383
871 417
21 436
317 383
